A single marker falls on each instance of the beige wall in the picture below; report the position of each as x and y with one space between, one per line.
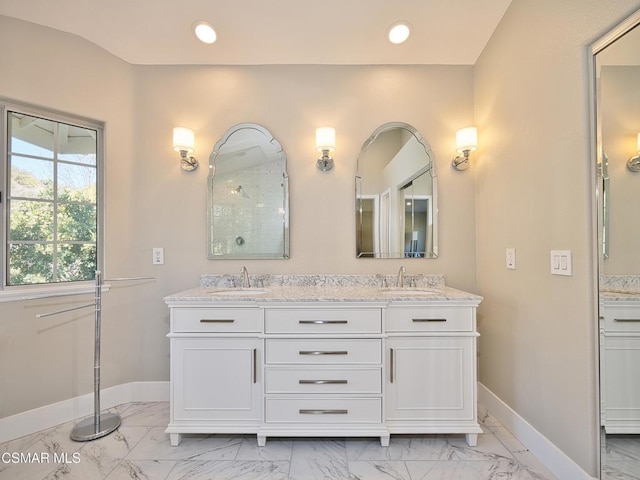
150 202
533 193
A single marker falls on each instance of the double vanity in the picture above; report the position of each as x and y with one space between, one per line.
315 355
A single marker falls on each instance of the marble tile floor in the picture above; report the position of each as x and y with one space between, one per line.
621 457
140 449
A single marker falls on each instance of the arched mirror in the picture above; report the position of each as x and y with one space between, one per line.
396 195
248 196
616 100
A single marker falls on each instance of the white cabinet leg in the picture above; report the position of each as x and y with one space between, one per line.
262 440
472 439
384 440
175 439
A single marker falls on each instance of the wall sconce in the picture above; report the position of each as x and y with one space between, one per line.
466 142
325 143
633 163
183 142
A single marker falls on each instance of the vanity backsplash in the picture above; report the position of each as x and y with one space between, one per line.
630 283
433 281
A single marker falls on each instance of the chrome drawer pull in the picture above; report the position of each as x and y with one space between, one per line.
429 319
322 382
316 352
320 322
626 319
217 320
323 412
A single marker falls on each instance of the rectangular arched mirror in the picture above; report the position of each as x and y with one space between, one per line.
396 195
248 196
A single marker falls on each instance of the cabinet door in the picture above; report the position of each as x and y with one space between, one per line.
215 379
621 390
430 378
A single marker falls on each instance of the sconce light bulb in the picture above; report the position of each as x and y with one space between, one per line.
183 139
467 139
325 139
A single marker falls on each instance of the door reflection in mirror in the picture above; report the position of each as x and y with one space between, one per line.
396 195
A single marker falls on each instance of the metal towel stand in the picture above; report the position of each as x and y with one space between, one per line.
103 424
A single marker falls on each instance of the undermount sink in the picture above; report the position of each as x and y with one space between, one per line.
239 292
410 291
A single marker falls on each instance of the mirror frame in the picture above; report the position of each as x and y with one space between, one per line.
269 138
599 176
429 168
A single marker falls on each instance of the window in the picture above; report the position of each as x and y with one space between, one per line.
51 166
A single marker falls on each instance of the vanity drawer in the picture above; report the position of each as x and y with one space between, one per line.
429 319
216 319
323 320
622 318
323 380
323 351
325 410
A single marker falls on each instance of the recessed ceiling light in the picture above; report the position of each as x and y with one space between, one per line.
204 31
399 32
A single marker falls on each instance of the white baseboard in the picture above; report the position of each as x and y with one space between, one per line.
32 421
551 456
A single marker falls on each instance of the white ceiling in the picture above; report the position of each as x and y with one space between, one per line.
258 32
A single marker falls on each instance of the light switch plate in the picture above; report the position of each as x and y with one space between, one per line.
561 262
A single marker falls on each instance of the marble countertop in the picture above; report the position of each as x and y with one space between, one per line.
613 295
324 288
619 288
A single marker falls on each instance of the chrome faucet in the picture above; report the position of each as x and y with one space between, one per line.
400 279
245 277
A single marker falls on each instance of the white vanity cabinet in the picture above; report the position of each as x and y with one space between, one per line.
281 367
620 357
431 378
216 380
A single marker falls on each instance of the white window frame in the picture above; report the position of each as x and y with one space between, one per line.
23 292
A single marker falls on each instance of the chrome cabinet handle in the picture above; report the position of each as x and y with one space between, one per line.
320 322
255 365
429 319
391 366
217 320
626 319
317 352
322 412
322 382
